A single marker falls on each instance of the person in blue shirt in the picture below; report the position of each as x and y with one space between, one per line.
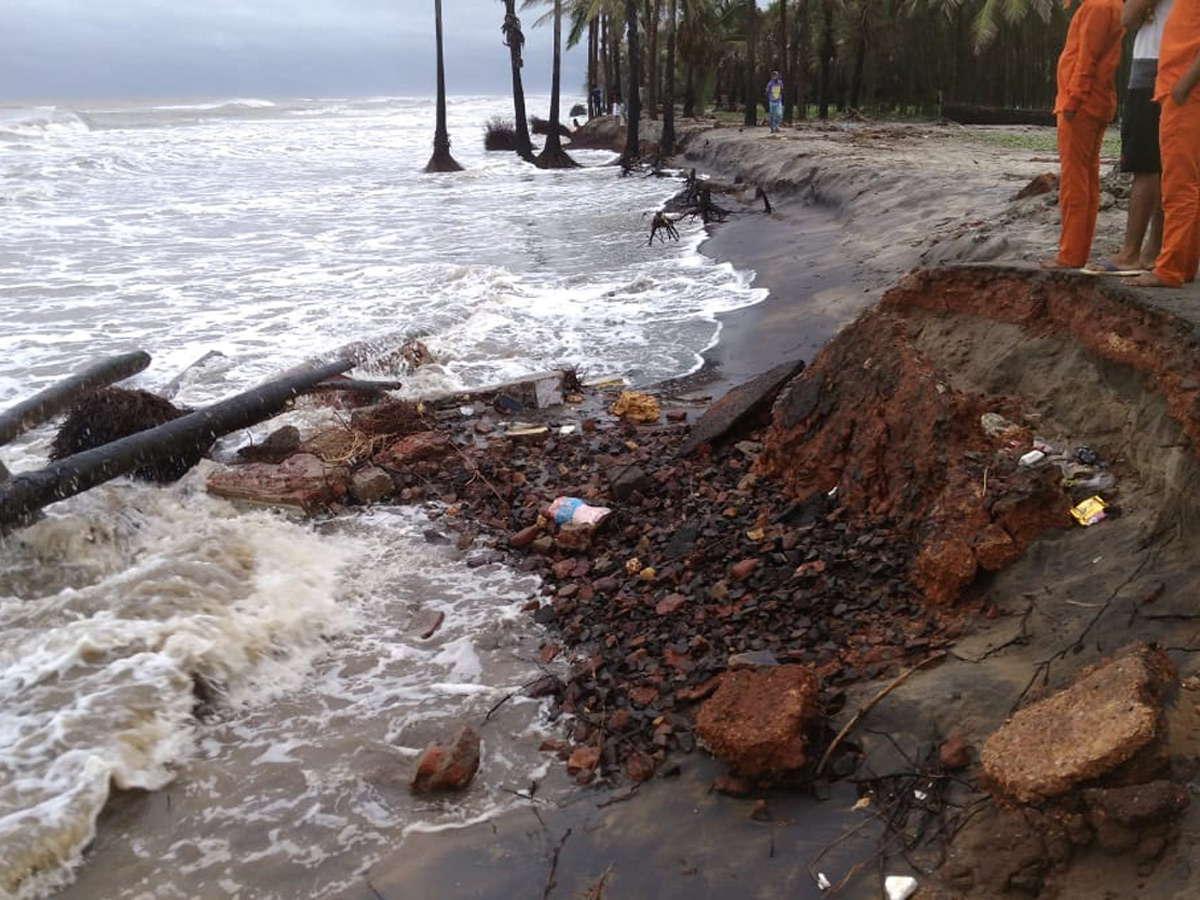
775 101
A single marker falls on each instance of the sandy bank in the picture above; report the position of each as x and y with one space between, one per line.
856 205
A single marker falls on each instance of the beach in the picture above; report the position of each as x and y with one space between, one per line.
910 227
831 248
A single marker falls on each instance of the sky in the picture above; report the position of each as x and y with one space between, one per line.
265 48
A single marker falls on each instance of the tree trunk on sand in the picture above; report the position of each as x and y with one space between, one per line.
667 148
553 156
593 69
654 13
441 161
633 105
796 66
860 58
689 92
45 405
784 68
827 50
751 117
190 434
515 41
615 99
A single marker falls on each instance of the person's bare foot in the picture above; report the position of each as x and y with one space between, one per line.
1148 280
1055 264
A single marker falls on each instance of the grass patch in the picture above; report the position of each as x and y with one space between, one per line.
1043 140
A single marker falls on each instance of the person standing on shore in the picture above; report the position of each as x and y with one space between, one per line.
1179 138
1139 142
1085 104
775 102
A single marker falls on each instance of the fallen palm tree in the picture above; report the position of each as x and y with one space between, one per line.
189 435
46 404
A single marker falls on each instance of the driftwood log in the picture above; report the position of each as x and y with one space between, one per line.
46 404
26 493
966 114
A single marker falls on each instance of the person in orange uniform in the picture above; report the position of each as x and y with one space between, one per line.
1179 137
1086 102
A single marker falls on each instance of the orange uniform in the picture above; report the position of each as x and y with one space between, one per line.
1179 138
1087 90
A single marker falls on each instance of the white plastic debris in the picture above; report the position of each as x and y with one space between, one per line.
899 887
823 882
1032 458
920 795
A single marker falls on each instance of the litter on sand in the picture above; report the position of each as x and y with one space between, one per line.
1089 512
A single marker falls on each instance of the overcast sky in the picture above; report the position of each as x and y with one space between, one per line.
64 49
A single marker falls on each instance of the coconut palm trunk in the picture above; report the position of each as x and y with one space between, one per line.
633 102
441 161
515 41
668 129
752 86
553 156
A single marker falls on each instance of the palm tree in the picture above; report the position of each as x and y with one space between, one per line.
633 103
553 156
515 40
667 147
751 117
441 161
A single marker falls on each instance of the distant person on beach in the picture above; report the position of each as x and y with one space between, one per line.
1085 104
597 101
1139 142
1179 137
775 102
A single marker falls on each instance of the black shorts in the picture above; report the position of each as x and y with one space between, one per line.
1139 132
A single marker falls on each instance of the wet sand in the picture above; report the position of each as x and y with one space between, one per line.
827 252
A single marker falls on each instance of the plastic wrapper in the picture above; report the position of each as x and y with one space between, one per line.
1089 512
571 511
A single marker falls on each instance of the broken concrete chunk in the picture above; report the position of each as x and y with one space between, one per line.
302 481
1109 713
756 720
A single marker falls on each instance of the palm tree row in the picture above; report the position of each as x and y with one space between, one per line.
889 56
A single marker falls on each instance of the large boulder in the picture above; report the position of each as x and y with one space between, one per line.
756 721
1104 718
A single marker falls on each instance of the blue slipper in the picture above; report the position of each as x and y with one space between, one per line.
1104 267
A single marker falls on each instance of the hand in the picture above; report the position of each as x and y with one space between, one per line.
1179 93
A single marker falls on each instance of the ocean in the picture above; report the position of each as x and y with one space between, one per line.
257 235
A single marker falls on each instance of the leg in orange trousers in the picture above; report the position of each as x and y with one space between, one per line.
1179 135
1079 141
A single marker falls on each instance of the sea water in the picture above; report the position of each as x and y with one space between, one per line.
257 235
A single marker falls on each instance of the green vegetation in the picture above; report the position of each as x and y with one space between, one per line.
1040 140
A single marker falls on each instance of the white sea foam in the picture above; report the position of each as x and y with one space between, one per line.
275 235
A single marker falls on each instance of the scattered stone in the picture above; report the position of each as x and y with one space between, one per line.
1042 184
371 484
954 753
449 766
524 537
426 623
278 446
414 448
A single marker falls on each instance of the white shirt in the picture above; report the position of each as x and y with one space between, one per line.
1149 36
